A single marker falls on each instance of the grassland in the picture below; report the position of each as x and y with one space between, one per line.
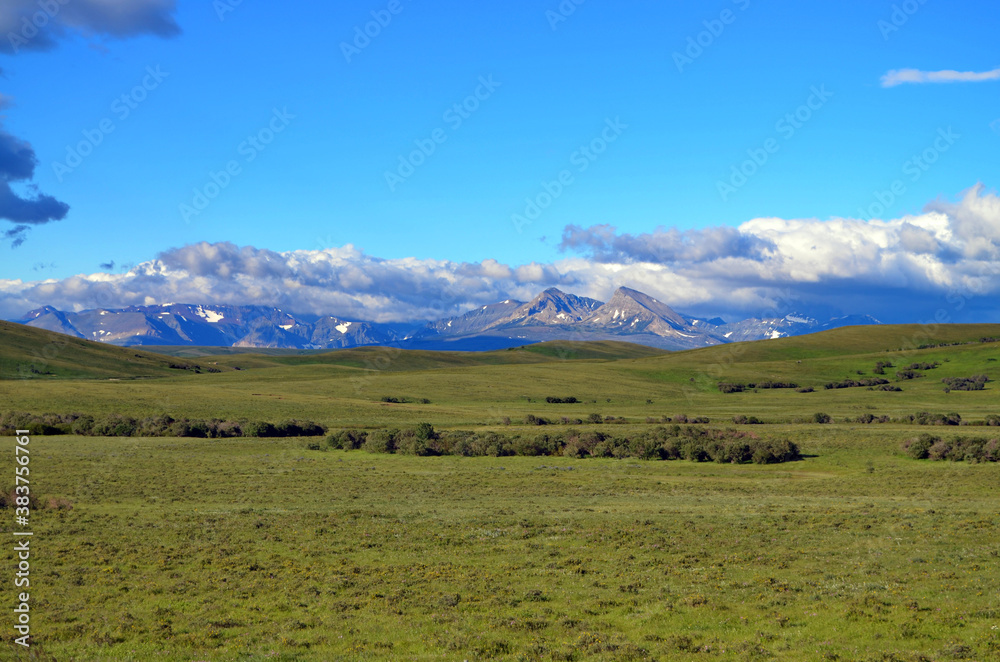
250 549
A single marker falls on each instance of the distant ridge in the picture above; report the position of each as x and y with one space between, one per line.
629 315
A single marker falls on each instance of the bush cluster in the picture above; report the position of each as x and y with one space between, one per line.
908 374
923 366
928 418
562 401
968 449
737 387
119 425
661 443
855 383
974 383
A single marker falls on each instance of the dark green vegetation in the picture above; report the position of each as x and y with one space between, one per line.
659 443
161 548
956 449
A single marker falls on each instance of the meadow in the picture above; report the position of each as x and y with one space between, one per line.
266 549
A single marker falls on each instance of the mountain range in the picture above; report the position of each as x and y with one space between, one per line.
629 315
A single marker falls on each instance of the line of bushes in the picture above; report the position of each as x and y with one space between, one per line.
118 425
661 443
598 419
855 383
967 449
928 418
738 387
974 383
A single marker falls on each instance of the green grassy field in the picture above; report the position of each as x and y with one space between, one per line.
255 549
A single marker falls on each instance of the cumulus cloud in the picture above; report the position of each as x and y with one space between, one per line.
891 268
340 281
28 25
909 269
904 76
17 163
665 245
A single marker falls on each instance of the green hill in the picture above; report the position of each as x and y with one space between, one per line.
29 353
374 386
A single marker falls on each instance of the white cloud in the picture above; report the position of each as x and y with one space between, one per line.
904 269
902 76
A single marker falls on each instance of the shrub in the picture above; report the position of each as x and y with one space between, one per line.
189 429
421 441
918 447
83 425
773 452
425 432
115 425
531 419
9 497
746 420
346 439
537 445
564 401
856 383
261 429
881 366
927 418
974 383
939 450
225 429
821 418
726 387
381 441
770 384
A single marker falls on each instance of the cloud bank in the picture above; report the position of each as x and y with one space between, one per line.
904 76
28 25
901 270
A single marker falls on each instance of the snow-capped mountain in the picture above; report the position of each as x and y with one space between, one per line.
213 326
630 315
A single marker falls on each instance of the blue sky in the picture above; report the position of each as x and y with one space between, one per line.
342 121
